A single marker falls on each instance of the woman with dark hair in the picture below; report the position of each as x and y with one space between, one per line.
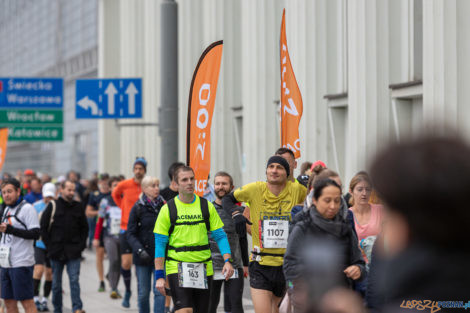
323 223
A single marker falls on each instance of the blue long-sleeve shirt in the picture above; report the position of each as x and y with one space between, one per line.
219 236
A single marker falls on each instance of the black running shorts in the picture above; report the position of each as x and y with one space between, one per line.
198 299
40 257
269 278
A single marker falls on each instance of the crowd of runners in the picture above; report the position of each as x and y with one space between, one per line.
317 244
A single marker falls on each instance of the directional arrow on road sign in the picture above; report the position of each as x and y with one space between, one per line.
86 103
131 91
109 98
111 91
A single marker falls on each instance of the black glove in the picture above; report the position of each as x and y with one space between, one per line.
240 224
144 256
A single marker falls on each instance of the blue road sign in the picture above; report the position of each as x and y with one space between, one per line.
16 92
109 98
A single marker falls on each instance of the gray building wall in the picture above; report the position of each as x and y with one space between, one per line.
52 38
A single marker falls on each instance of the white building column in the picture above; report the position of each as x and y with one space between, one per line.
440 73
109 37
368 79
128 48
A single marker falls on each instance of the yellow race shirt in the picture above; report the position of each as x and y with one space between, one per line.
187 235
264 205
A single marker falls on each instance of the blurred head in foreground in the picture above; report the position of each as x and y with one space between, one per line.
425 184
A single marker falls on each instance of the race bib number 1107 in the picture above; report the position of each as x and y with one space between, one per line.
275 233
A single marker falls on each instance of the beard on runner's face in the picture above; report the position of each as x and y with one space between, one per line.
220 193
68 191
139 171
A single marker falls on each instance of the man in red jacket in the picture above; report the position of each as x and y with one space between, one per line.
125 195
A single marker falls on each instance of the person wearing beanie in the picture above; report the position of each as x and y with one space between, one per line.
141 161
271 202
125 194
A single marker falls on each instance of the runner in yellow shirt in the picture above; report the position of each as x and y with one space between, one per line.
271 203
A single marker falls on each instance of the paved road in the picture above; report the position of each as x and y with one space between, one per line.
94 302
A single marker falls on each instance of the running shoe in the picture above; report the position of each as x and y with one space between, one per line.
44 306
115 295
102 287
125 301
38 305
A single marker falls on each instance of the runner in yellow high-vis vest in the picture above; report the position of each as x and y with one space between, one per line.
183 223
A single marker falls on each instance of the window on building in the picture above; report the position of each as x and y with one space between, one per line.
337 126
407 108
238 131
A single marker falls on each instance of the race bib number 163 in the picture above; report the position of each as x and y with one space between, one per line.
192 275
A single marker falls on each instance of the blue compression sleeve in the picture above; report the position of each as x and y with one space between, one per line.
160 245
221 238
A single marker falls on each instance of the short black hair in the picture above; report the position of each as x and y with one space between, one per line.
172 169
321 184
11 181
283 150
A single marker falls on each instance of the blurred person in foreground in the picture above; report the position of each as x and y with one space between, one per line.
424 184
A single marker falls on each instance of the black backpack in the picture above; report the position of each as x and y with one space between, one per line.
174 215
14 216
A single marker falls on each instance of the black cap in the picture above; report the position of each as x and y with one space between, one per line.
280 160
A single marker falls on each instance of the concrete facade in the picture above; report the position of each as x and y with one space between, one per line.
368 70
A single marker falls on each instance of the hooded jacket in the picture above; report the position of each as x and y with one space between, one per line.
315 227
